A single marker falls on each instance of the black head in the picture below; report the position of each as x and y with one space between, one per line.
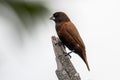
60 17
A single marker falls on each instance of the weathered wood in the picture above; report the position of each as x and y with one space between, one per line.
65 69
62 75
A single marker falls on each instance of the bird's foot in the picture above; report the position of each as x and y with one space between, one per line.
68 54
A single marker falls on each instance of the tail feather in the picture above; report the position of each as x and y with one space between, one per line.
87 65
84 58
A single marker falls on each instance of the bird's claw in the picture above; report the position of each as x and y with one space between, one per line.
68 55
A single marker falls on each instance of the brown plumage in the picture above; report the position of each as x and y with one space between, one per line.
69 35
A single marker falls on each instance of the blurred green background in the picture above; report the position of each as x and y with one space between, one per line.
28 12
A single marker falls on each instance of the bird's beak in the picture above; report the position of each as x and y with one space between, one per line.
52 18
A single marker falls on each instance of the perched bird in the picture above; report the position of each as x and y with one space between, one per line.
69 35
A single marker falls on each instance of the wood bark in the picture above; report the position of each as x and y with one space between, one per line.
65 69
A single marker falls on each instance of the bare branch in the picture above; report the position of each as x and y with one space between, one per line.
65 69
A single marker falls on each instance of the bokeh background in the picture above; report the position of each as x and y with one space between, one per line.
26 51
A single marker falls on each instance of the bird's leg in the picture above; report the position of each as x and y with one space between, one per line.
68 54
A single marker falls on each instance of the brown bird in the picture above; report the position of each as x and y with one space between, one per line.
69 35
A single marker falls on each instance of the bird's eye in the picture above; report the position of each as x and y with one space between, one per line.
56 15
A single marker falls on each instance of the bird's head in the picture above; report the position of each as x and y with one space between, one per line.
59 17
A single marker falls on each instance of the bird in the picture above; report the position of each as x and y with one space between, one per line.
69 35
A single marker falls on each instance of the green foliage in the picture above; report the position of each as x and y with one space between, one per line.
27 11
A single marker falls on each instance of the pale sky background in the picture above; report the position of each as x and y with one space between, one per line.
98 22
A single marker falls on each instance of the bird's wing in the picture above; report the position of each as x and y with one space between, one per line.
70 33
71 38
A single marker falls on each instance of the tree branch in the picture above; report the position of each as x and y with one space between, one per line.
65 69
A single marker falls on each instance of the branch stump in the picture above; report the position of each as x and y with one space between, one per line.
65 69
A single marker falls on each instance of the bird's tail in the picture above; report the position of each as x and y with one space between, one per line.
86 62
84 58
